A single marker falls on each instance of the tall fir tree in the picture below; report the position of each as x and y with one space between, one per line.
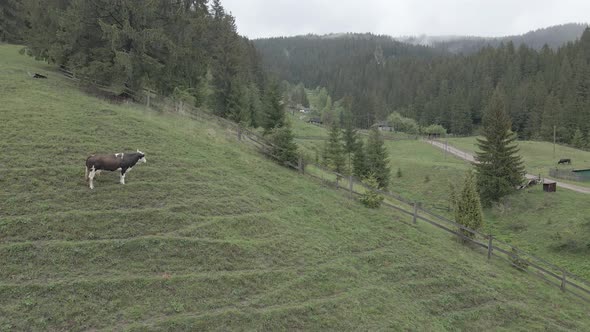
238 103
578 140
349 136
334 151
359 161
12 24
499 166
377 160
274 113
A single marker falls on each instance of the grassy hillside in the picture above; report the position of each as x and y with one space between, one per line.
209 235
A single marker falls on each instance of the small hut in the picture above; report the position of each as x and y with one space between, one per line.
383 126
549 186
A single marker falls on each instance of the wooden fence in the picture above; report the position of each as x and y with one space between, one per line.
490 246
566 174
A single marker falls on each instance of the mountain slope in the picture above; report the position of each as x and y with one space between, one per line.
210 235
554 36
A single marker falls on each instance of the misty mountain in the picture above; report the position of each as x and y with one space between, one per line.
554 37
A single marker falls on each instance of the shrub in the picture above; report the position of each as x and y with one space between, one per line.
370 198
517 261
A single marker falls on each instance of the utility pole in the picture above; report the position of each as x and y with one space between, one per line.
554 139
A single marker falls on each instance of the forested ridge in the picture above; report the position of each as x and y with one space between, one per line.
541 89
186 48
554 37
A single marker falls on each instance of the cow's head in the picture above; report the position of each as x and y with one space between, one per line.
142 156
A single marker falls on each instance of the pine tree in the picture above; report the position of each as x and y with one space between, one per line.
377 160
254 105
578 139
274 113
499 168
349 137
333 152
284 148
238 103
551 117
461 115
11 21
359 162
467 206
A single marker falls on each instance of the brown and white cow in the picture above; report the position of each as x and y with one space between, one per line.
123 162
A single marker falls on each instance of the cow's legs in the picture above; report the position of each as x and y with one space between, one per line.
122 179
91 177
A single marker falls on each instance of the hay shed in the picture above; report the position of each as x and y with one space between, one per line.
549 186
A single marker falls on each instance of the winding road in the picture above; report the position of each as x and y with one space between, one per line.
469 157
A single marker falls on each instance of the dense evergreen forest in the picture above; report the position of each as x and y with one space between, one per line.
187 47
541 89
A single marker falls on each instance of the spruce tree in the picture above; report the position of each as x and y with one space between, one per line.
284 148
254 105
467 206
349 137
274 113
11 21
359 162
238 103
377 161
499 167
578 139
334 151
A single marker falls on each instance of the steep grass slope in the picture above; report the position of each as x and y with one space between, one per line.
209 235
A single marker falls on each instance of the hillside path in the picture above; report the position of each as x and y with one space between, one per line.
469 157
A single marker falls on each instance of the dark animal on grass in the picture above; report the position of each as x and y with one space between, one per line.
122 162
564 161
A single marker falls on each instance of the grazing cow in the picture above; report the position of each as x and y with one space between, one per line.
564 161
112 162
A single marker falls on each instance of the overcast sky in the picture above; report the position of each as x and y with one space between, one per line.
269 18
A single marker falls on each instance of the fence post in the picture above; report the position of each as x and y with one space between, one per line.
350 183
239 132
300 165
148 98
490 247
563 281
415 218
337 181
